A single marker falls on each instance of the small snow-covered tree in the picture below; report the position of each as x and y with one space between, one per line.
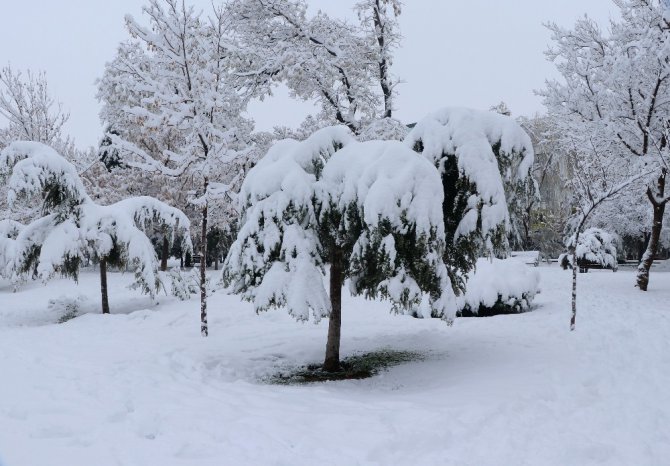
485 161
174 77
369 211
597 179
595 246
72 227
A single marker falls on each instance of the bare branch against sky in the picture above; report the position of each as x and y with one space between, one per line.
473 53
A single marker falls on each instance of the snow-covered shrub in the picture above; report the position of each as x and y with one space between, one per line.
371 211
485 160
9 230
181 283
66 307
594 247
499 286
73 228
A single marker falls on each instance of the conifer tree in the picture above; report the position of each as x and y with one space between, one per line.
369 212
72 228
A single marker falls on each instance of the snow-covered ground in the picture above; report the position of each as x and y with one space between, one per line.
142 387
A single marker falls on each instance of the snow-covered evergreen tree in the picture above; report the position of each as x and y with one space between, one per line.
485 161
369 211
72 228
28 112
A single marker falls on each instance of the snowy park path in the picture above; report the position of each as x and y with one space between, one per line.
142 387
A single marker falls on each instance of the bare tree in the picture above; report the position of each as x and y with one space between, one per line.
32 113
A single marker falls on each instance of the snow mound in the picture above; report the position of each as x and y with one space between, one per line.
499 286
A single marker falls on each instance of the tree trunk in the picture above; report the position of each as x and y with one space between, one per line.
573 251
659 209
165 252
642 247
384 78
204 329
216 261
103 286
332 361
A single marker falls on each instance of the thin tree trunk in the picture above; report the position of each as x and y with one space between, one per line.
204 329
573 251
103 286
216 261
332 361
384 78
652 248
165 252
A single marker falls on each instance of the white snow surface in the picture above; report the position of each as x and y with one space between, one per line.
142 387
505 279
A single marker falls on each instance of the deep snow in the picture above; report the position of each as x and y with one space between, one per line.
144 388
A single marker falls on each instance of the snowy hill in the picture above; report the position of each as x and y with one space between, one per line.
142 387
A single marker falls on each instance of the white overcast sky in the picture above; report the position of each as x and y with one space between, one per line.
471 53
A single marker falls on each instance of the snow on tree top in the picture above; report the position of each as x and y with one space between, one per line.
291 166
33 166
297 203
388 181
471 135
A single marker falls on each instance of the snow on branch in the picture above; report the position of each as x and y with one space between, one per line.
34 169
74 228
472 137
375 204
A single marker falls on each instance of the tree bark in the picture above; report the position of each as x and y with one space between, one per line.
384 78
103 286
573 251
165 252
332 361
204 329
652 248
